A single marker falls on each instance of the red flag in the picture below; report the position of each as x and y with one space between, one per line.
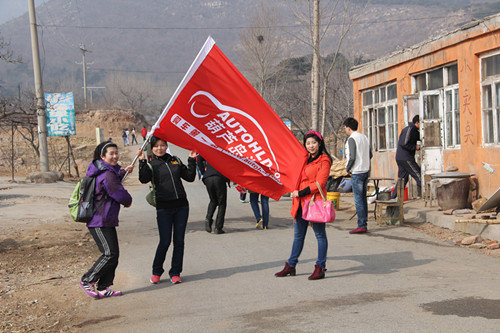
216 112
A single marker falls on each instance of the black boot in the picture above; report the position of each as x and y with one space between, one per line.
208 225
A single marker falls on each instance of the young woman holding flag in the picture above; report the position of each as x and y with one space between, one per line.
316 170
172 207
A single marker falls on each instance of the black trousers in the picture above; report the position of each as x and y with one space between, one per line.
170 221
408 168
103 270
217 191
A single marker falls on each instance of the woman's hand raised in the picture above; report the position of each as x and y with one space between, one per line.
140 154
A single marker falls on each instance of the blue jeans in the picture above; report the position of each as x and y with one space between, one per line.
359 183
254 202
300 230
168 220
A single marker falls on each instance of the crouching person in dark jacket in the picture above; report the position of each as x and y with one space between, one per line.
109 195
172 207
405 155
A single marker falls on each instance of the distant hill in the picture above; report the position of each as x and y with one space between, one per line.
158 39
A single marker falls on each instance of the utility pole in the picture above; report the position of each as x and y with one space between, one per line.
315 68
40 100
84 64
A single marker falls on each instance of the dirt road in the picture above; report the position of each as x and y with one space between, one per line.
391 279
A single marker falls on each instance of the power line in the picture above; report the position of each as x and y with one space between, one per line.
141 71
246 27
135 71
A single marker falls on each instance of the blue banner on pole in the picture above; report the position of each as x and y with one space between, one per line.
60 114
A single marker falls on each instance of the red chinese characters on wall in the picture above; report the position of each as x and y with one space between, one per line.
466 107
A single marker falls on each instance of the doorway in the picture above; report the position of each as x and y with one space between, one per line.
431 131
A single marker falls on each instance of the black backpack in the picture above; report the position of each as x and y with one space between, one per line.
82 206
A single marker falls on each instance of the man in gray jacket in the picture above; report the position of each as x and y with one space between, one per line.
359 154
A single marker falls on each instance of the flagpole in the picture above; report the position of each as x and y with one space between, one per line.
209 43
136 156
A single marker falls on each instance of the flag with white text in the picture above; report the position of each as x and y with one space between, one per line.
216 112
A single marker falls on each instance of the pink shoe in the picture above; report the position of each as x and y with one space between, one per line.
89 289
108 293
155 279
175 279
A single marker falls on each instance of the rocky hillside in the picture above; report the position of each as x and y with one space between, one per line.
158 40
112 121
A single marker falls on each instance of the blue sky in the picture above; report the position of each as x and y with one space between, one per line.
10 9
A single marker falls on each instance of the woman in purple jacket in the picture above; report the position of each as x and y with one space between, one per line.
109 194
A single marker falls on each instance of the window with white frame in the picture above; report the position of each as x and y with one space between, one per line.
445 80
490 101
452 117
380 116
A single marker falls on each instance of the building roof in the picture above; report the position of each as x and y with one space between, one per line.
467 31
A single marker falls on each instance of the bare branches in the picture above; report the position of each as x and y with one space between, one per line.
128 92
20 113
262 47
6 53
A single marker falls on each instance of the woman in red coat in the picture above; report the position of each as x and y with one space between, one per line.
316 170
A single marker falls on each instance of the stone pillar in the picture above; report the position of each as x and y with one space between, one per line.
99 135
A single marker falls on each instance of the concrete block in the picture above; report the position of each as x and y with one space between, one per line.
478 203
45 177
469 240
448 221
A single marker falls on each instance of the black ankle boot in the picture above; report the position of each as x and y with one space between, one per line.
208 225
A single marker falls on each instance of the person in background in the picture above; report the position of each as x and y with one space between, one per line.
109 194
124 137
127 136
358 154
262 220
243 193
172 206
217 191
133 137
144 133
405 155
314 172
198 171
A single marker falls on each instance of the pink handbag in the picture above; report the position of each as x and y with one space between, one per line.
318 210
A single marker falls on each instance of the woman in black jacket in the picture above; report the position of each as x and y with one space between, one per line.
172 207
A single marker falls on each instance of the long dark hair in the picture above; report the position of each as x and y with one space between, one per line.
155 139
322 149
102 148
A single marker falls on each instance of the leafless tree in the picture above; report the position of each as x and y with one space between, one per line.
262 47
20 115
6 53
131 92
330 26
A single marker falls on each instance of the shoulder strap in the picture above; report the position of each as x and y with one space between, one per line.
152 175
320 191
